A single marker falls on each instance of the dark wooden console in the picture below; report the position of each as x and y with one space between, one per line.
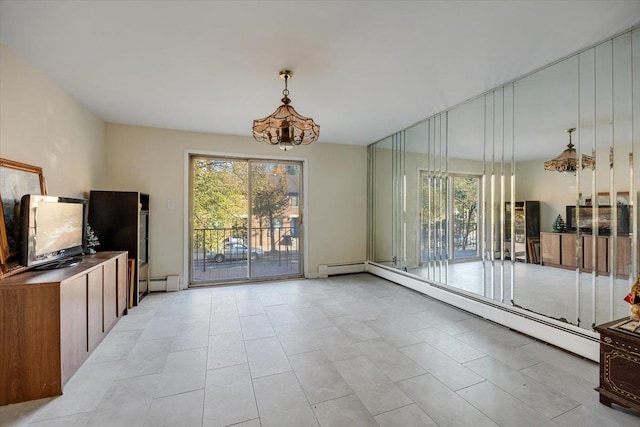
619 365
50 321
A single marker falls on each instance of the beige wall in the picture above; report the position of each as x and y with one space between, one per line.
152 160
43 126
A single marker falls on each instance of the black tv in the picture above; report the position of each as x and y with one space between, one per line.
52 231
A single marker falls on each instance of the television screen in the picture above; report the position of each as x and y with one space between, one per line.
58 226
52 229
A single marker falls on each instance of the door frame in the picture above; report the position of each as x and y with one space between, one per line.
186 249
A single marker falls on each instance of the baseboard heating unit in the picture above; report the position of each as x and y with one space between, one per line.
326 270
164 284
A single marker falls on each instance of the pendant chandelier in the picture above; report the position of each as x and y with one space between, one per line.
567 161
285 127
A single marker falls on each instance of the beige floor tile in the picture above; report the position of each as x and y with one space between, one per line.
212 356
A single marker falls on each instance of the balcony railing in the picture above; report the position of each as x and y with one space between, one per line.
267 245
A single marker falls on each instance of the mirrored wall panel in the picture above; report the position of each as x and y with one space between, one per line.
526 195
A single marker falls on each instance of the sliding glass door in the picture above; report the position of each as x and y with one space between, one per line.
245 219
275 219
465 213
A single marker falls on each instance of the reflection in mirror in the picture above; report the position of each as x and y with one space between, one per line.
380 196
415 139
466 148
464 199
634 157
590 252
399 205
427 189
545 107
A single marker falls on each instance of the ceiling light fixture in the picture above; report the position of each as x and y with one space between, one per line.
567 161
285 127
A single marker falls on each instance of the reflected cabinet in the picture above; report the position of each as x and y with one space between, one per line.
562 250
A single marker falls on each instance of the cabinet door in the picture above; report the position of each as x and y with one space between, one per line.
73 325
568 250
94 308
29 343
122 278
110 290
550 248
601 254
623 264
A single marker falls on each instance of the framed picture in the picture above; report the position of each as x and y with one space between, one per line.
16 180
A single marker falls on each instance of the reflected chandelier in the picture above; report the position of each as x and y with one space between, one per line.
567 161
285 127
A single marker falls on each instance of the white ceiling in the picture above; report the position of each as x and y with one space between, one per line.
363 70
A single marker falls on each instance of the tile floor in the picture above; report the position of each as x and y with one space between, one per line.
350 351
549 291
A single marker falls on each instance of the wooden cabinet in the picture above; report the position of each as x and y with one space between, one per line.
122 276
619 364
120 220
50 321
550 248
29 342
568 250
94 308
602 244
623 256
559 250
73 325
110 296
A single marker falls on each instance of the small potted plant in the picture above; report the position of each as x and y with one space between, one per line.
558 225
92 240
